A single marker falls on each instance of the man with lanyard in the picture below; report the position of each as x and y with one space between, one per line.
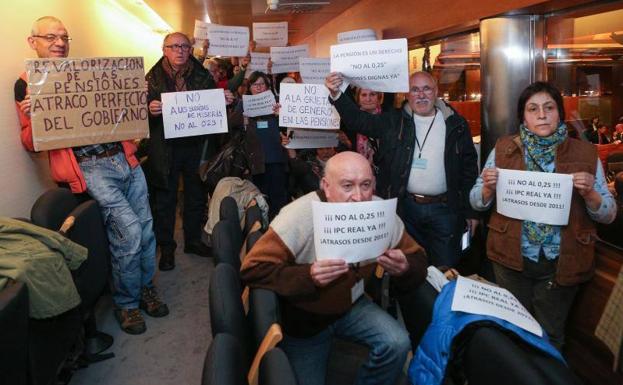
110 174
427 159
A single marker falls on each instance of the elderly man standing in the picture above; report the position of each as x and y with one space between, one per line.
320 297
177 71
110 174
427 160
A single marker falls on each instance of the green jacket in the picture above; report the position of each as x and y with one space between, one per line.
40 258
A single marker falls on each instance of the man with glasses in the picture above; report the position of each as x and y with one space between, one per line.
427 160
176 71
109 173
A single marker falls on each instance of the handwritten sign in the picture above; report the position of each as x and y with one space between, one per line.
201 30
81 101
259 62
353 231
314 70
381 65
193 113
534 196
304 138
228 41
307 106
356 36
271 34
258 105
286 59
475 297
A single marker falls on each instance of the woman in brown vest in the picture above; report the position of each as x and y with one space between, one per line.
542 264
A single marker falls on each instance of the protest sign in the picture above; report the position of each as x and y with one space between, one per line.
80 101
540 197
192 113
271 34
314 70
258 105
201 30
259 62
381 65
286 59
228 41
303 138
356 36
353 231
306 106
475 297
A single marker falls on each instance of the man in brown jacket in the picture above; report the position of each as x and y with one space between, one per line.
324 298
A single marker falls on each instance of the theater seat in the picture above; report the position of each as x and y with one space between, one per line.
227 242
223 363
275 369
14 335
52 207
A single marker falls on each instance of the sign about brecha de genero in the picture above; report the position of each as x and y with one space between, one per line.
81 101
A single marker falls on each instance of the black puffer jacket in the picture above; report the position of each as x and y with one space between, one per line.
159 157
396 131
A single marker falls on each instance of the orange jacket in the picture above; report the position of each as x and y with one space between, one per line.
63 164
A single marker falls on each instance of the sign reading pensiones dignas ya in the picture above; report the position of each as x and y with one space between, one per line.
80 101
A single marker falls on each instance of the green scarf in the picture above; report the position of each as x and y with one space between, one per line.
541 153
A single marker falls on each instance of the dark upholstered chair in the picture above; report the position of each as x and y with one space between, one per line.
227 242
52 207
92 277
252 238
510 360
275 369
224 362
229 209
14 336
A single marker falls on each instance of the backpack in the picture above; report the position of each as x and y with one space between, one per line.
230 160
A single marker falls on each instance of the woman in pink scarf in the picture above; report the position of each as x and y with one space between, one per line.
369 101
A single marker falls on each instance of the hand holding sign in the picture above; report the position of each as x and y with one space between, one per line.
394 262
490 180
585 184
325 271
333 82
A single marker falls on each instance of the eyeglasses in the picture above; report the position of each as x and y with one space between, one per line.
179 47
426 89
258 84
52 38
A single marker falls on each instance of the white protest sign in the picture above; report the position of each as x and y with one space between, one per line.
356 36
381 65
307 106
540 197
314 70
193 113
228 41
481 298
259 62
271 34
286 59
303 138
201 30
258 105
353 231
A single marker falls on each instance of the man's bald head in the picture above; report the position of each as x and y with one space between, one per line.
49 38
348 177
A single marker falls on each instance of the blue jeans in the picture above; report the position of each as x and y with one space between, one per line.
436 228
365 323
121 193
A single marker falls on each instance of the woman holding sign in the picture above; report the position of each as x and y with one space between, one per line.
542 264
267 158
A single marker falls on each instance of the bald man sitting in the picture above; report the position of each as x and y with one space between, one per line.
319 297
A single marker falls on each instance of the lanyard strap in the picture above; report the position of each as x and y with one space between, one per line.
417 142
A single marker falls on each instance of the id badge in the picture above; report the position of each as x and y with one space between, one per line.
419 163
356 291
261 124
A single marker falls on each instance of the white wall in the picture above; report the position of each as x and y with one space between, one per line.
98 28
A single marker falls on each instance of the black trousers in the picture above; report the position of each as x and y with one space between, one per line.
274 184
185 161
